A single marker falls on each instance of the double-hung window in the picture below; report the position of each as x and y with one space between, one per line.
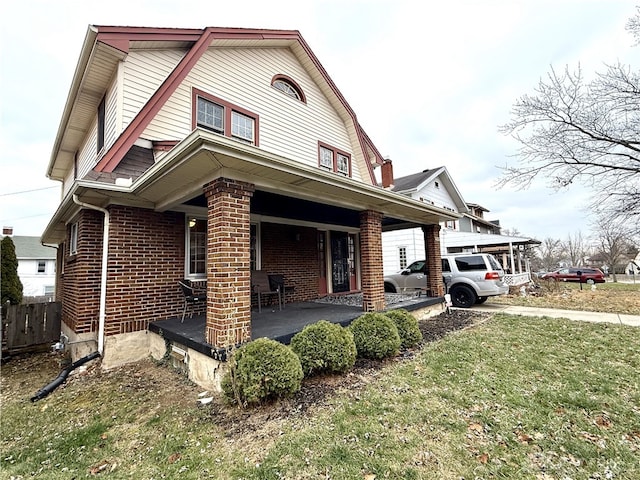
334 160
73 239
196 247
222 117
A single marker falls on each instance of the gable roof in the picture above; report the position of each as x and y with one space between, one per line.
105 46
417 181
30 248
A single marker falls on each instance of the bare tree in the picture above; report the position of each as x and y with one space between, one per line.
576 131
575 248
510 232
551 253
615 243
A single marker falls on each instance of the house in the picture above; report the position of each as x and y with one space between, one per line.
207 154
474 221
469 233
36 265
433 187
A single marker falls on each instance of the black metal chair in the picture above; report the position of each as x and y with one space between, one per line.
191 297
261 285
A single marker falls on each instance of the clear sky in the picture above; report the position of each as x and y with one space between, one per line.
430 82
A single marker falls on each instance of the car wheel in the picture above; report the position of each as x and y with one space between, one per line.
389 288
481 300
462 296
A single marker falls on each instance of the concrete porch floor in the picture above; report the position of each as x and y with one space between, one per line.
279 325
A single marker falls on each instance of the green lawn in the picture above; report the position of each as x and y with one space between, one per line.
513 397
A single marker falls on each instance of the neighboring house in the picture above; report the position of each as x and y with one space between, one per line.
474 221
431 187
470 233
206 154
36 266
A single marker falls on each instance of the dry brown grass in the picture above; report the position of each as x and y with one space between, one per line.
606 297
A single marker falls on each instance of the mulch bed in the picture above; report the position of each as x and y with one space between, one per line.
317 391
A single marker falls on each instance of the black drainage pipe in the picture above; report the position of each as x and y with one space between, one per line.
47 389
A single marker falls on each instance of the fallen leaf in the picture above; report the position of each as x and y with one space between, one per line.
369 476
524 438
603 421
96 469
484 458
174 457
475 427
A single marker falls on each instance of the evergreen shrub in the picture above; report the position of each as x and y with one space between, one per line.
376 336
11 286
324 347
261 370
407 325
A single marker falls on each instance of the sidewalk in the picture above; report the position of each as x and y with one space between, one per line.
598 317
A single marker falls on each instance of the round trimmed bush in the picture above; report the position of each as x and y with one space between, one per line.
376 336
261 370
407 325
324 347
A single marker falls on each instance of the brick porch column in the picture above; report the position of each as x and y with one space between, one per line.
228 267
434 260
371 260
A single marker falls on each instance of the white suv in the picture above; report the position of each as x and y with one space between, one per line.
469 277
472 277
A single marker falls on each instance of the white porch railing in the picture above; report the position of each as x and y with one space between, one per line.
516 279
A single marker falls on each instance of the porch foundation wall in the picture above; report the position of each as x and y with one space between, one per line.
125 348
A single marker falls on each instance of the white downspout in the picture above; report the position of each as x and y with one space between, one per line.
103 275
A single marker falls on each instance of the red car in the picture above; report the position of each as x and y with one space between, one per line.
576 274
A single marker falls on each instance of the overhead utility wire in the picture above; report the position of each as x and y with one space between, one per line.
26 191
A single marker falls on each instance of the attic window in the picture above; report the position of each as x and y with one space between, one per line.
288 86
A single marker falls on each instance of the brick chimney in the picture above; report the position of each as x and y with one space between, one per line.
7 231
387 173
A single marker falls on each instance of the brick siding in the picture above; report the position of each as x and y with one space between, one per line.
371 258
228 262
146 259
292 251
434 260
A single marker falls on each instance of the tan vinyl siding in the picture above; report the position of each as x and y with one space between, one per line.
288 127
87 156
143 74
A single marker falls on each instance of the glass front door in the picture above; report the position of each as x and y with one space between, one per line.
340 262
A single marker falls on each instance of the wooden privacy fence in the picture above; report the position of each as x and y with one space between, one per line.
27 327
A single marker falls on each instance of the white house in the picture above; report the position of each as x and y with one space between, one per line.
36 266
470 233
433 187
